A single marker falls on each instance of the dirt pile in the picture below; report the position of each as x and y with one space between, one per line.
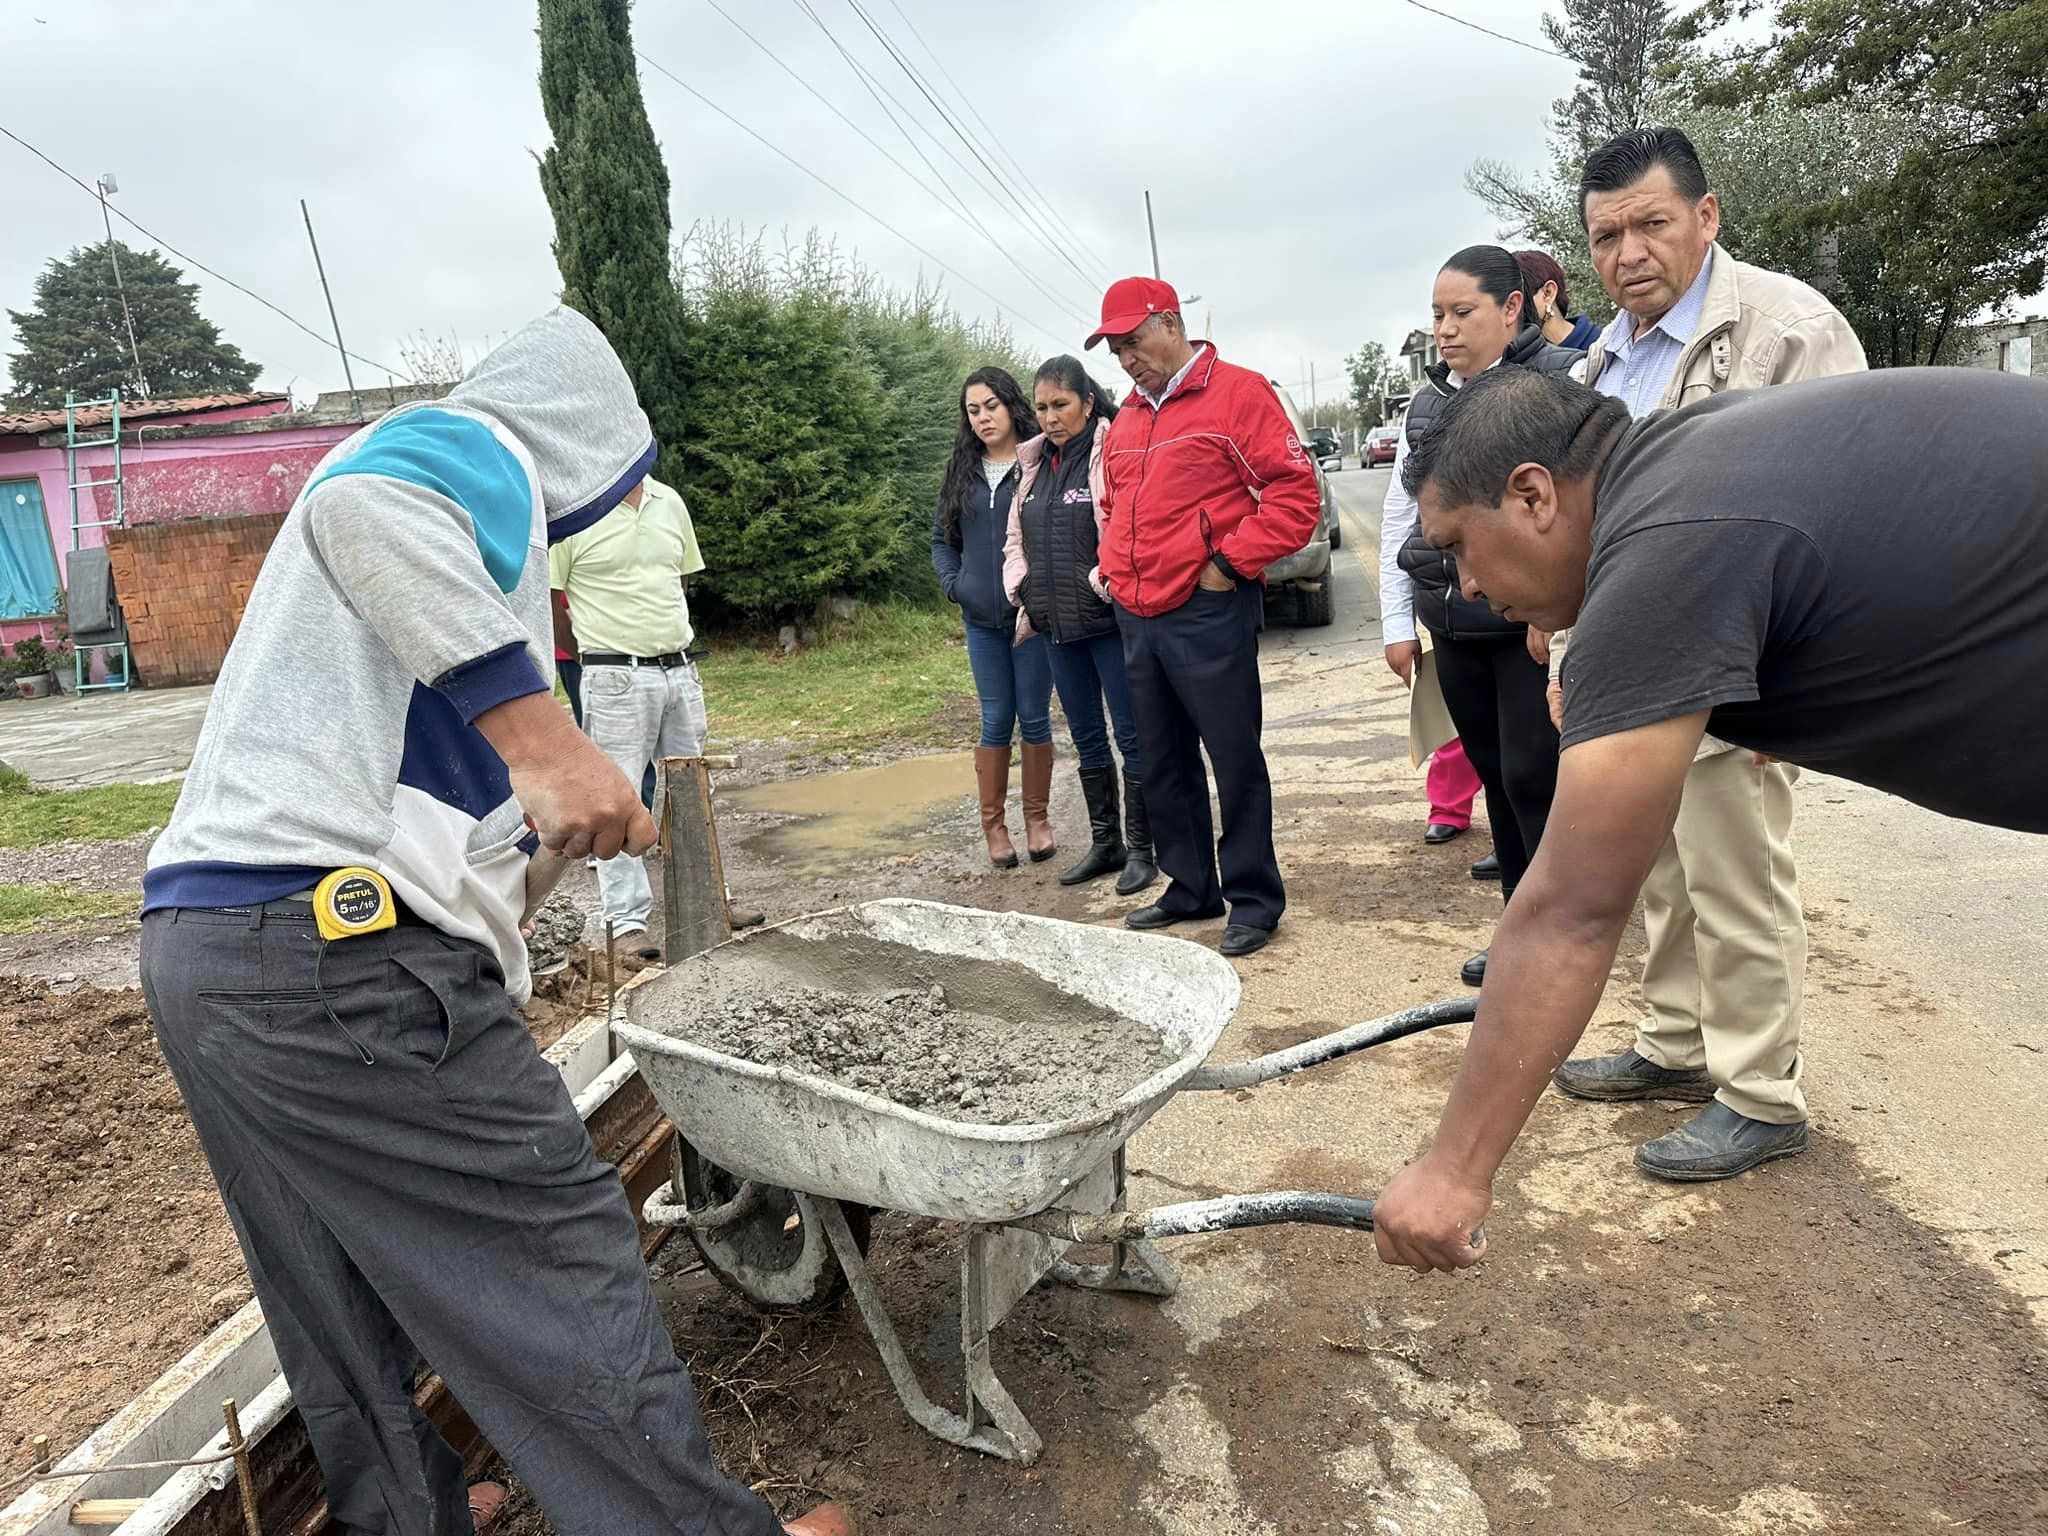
115 1254
915 1047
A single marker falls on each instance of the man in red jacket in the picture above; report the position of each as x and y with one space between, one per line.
1206 486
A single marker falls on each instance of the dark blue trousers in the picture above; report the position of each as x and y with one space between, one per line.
407 1176
1194 681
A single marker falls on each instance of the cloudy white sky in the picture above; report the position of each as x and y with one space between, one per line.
1305 157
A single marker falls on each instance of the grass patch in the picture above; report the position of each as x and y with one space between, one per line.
31 817
26 908
889 675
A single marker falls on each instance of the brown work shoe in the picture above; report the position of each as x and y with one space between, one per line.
825 1520
486 1503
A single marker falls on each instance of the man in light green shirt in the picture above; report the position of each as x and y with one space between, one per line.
628 621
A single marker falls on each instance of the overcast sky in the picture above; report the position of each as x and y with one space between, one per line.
1305 157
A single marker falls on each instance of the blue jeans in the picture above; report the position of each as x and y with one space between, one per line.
1088 672
1015 685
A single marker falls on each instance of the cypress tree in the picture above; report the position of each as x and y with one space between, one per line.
607 188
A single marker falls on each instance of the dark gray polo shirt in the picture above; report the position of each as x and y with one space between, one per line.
1850 573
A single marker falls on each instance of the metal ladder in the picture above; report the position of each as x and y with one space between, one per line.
81 659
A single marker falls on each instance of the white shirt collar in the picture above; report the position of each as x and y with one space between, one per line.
1679 322
1176 381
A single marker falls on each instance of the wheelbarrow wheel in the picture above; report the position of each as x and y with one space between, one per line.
769 1254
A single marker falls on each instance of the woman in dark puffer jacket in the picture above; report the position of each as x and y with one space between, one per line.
1050 573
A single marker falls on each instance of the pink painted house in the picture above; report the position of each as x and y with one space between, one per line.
210 456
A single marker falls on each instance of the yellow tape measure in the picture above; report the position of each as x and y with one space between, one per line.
353 901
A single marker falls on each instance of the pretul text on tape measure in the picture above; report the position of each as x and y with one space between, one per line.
351 902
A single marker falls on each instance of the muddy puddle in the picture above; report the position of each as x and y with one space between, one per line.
838 818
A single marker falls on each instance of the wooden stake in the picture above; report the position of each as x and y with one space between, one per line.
692 873
251 1524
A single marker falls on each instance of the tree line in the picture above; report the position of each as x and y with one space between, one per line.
1892 153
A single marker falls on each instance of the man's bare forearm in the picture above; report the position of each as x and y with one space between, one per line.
529 730
1545 972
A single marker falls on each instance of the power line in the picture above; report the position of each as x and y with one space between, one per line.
884 98
193 261
848 199
962 212
1518 42
946 117
996 140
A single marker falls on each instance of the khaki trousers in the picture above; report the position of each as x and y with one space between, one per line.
1726 973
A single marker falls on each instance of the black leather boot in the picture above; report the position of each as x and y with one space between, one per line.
1106 842
1139 868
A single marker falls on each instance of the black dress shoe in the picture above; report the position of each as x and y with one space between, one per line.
1487 868
1473 971
1156 916
1439 832
1242 939
1631 1075
1718 1143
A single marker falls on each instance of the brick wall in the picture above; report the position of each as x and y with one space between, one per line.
183 586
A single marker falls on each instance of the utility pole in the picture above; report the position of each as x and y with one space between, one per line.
1311 391
103 186
1152 230
355 400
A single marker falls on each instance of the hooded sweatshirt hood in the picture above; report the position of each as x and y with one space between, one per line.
557 386
405 596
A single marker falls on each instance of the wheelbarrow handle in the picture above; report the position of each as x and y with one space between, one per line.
1313 1053
1280 1207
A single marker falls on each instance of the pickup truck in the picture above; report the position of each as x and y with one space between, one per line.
1300 583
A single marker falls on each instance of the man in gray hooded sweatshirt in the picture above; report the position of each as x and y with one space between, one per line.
332 955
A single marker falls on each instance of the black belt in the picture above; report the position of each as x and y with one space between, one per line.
620 659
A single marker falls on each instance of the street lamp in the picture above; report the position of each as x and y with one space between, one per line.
106 186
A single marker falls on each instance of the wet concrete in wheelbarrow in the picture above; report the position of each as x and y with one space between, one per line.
982 1041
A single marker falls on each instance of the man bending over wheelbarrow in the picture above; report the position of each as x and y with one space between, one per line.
331 953
1849 574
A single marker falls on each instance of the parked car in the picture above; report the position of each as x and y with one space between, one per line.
1380 443
1323 446
1299 584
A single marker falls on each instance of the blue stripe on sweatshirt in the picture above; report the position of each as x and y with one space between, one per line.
457 457
449 759
208 883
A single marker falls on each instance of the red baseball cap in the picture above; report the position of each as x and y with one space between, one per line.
1130 302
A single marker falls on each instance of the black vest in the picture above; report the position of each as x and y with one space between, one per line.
1058 520
1438 602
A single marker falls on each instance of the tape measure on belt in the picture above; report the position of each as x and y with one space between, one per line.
353 901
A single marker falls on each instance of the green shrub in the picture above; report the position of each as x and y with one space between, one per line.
821 408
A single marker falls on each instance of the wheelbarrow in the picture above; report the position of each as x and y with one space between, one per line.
777 1170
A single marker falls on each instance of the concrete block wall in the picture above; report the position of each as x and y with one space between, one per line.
183 586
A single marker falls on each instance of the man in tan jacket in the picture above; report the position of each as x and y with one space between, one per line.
1726 971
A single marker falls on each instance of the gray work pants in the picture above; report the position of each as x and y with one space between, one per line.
408 1177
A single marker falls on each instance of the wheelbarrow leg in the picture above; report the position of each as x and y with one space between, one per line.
1138 1267
997 1270
994 1438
